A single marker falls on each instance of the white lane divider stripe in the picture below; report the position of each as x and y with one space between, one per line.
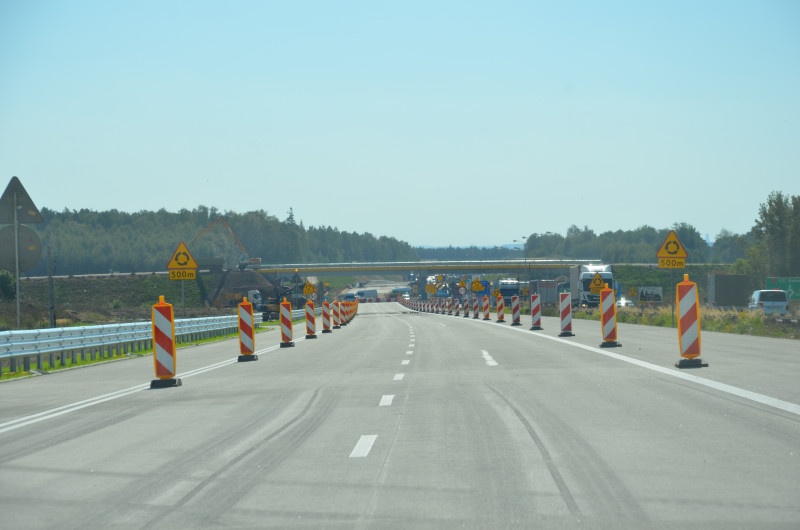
78 405
409 352
399 377
386 400
405 362
488 358
363 446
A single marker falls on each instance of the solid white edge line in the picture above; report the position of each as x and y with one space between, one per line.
785 406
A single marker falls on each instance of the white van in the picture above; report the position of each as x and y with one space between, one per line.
771 301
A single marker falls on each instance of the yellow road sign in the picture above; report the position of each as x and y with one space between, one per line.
182 258
308 288
477 285
672 254
597 284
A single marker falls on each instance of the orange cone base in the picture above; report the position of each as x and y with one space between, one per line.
697 362
247 358
165 383
287 344
610 344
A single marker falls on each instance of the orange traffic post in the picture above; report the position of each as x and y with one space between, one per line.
536 312
286 324
688 309
565 310
326 317
486 307
515 311
337 315
608 318
501 309
311 321
247 324
164 345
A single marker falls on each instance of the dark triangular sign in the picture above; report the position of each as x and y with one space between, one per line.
15 194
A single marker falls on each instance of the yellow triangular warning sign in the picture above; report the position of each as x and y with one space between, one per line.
672 247
182 258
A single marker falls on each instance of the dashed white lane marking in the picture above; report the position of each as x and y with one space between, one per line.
411 345
399 377
363 446
386 400
405 362
409 352
488 358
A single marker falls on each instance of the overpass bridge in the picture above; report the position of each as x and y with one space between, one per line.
521 268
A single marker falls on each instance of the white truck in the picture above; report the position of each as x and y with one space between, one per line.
581 278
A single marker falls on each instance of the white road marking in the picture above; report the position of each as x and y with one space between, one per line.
386 400
409 352
399 377
786 406
488 358
363 446
405 362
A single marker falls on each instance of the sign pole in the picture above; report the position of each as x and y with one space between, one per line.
16 257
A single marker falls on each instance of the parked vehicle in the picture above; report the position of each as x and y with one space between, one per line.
771 301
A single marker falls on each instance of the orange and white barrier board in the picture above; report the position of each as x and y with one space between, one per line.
565 311
337 315
688 309
311 321
164 345
515 311
247 324
326 317
501 309
536 312
608 318
286 324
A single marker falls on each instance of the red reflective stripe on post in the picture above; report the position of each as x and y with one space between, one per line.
486 307
246 332
326 316
536 312
311 319
565 310
608 315
286 321
689 318
515 311
163 340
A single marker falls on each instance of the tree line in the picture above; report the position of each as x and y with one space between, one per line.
91 242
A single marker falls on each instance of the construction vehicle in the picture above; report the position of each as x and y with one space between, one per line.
244 259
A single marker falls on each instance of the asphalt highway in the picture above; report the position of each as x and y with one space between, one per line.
408 420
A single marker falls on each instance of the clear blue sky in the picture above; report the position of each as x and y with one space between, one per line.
436 123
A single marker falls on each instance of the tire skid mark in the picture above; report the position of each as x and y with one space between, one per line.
566 494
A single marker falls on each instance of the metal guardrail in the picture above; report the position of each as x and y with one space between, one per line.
104 341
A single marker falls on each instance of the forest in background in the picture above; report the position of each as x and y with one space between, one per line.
91 242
